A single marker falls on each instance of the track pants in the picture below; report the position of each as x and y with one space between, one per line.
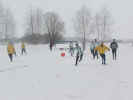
103 56
79 58
114 51
95 54
23 51
10 57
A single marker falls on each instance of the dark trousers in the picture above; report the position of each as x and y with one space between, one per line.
81 57
96 54
71 51
10 57
23 51
78 58
103 56
114 51
93 53
51 46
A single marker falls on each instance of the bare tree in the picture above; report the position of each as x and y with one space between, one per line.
103 24
34 21
39 17
97 25
54 27
37 21
2 21
7 23
10 26
82 24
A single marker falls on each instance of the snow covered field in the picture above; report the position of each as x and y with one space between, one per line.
42 75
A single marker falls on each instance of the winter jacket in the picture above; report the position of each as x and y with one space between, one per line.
101 49
113 45
92 46
96 44
79 51
10 49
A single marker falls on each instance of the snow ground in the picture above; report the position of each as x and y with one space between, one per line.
42 75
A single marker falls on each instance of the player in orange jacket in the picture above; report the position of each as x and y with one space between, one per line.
102 49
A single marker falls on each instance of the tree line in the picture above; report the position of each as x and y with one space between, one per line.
7 24
49 27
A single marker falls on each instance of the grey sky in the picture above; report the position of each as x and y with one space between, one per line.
121 11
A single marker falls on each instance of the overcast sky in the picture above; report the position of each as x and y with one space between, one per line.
121 11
